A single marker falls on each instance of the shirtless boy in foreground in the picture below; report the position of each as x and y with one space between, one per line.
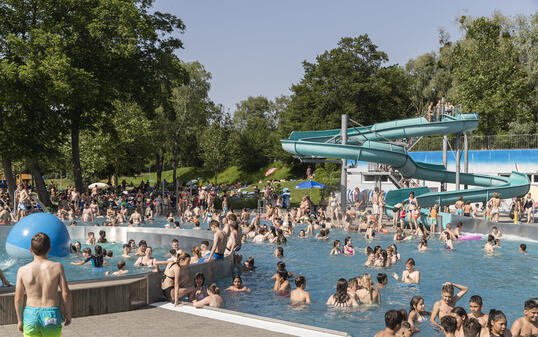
444 307
527 325
41 279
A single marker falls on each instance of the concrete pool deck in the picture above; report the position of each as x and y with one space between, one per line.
153 321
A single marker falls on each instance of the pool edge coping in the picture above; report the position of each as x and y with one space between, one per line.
252 316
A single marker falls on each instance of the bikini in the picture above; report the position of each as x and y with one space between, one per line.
168 291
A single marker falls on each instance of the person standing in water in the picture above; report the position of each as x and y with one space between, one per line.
40 280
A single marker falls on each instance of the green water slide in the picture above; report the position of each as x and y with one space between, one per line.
372 144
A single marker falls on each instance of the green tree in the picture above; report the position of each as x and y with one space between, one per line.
488 77
254 139
191 110
350 79
213 144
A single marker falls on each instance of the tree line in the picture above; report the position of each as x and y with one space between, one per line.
95 89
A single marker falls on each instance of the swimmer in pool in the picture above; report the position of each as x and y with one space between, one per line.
282 285
348 248
300 295
213 298
200 290
121 269
382 280
475 308
497 324
523 248
417 313
279 252
528 324
496 233
91 239
336 248
449 245
490 244
410 275
393 322
237 286
444 306
342 299
423 245
302 234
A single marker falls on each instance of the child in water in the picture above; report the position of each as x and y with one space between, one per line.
528 324
348 247
475 308
121 269
444 306
237 286
300 295
497 324
336 248
416 312
410 275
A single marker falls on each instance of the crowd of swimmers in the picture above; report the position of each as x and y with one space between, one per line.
231 230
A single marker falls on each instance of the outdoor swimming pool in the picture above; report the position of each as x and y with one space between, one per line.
504 280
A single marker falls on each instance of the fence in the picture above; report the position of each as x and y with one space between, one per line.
478 142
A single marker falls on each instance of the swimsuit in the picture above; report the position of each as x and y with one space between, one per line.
168 291
46 322
459 212
215 301
97 261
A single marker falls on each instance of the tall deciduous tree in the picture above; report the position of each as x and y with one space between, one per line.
350 79
488 77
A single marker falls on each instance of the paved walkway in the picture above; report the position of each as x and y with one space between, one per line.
150 322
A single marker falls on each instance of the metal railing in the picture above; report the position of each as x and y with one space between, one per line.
478 142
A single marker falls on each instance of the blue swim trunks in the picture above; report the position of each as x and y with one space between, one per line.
46 322
215 257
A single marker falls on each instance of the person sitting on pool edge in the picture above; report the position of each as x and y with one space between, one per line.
300 295
175 283
444 306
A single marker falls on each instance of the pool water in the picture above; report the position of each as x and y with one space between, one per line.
10 265
504 280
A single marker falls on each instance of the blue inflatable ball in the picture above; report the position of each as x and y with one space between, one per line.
20 236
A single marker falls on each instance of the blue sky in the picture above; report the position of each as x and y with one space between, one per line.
256 47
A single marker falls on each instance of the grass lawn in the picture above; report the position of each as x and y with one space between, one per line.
229 175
